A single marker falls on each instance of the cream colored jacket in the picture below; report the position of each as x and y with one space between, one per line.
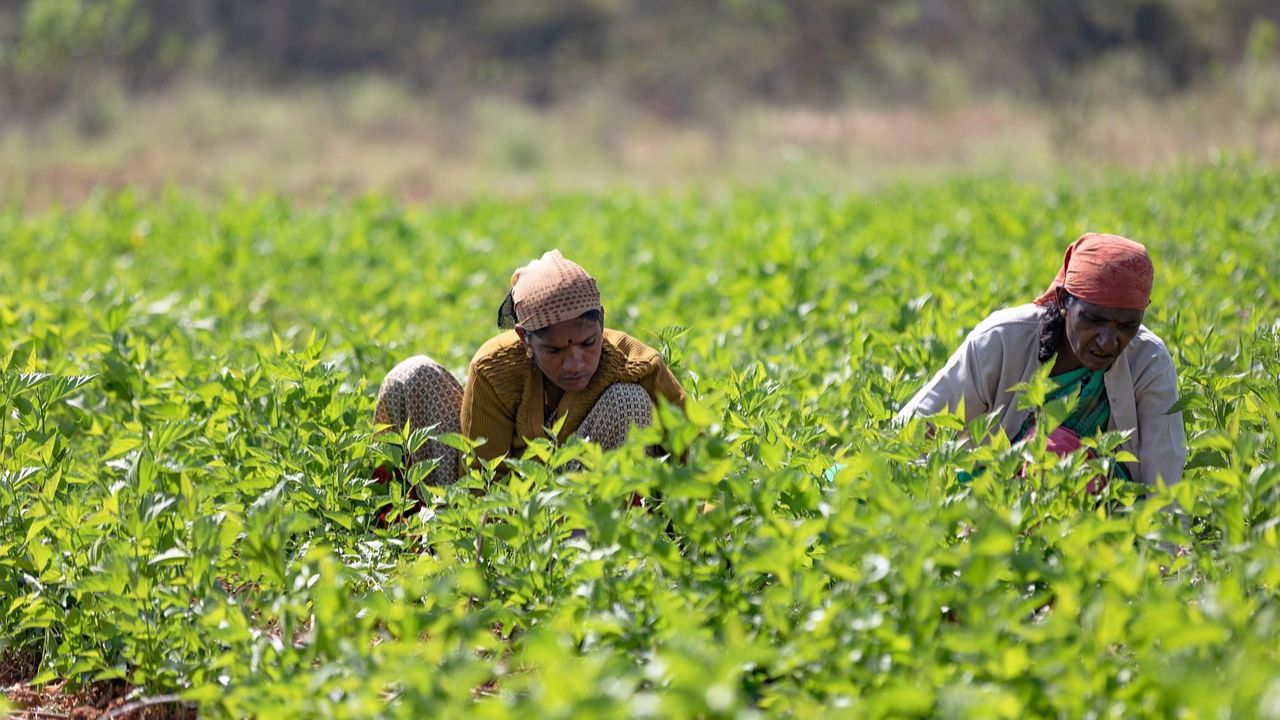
1001 352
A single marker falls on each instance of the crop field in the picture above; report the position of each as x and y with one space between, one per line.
187 515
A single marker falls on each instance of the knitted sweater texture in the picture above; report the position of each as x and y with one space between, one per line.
503 398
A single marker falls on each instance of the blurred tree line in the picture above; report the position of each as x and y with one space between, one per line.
670 56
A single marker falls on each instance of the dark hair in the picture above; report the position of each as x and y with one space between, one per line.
507 316
507 313
1053 328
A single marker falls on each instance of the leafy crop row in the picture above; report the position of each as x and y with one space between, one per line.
185 451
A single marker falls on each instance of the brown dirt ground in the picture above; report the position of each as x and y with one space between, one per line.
59 701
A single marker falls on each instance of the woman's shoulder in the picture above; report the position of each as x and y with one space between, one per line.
1148 350
501 354
1012 326
628 358
1016 318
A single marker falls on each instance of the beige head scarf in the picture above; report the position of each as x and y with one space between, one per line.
552 289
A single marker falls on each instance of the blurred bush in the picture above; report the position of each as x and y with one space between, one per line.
670 57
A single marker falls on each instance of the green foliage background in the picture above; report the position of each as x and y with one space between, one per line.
185 450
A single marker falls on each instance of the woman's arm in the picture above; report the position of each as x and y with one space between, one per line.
969 376
662 382
1162 442
483 416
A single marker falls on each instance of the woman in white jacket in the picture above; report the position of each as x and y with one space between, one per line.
1089 325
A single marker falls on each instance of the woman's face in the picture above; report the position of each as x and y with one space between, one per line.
1098 334
568 352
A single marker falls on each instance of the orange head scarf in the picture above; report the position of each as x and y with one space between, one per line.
1106 270
552 289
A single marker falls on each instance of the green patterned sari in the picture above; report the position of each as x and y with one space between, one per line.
1090 415
1092 409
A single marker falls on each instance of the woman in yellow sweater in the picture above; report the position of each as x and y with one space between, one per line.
556 359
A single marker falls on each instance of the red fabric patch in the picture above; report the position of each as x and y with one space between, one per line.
1106 270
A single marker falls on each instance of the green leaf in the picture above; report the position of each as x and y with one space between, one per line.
172 556
120 446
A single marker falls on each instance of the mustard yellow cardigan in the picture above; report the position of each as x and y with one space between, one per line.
503 398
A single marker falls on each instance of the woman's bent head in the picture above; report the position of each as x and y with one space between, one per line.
1095 305
568 352
554 306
